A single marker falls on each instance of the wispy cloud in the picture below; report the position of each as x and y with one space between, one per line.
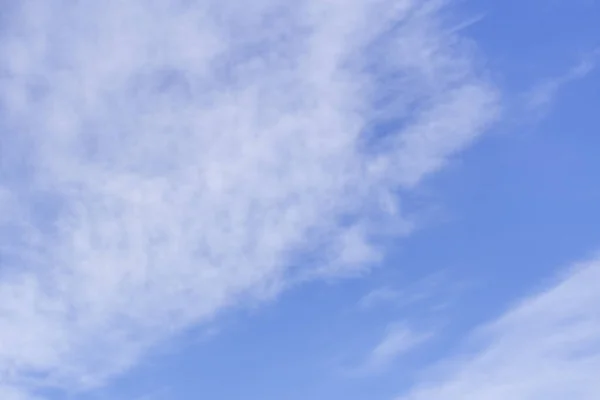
163 160
540 98
398 340
381 296
431 292
547 347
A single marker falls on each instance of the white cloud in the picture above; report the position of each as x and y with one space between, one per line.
432 291
540 98
398 340
548 347
163 160
12 393
379 296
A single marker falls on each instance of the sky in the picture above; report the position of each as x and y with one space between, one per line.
319 199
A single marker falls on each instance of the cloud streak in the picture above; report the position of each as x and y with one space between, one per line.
163 160
546 347
398 340
542 96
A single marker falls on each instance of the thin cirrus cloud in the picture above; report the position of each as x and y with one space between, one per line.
547 347
399 339
542 96
163 160
424 291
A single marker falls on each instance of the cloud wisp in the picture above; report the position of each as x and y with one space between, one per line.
398 340
541 97
547 347
163 160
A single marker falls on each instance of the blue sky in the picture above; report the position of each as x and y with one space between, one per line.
383 200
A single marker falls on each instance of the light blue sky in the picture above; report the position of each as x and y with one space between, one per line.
383 200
